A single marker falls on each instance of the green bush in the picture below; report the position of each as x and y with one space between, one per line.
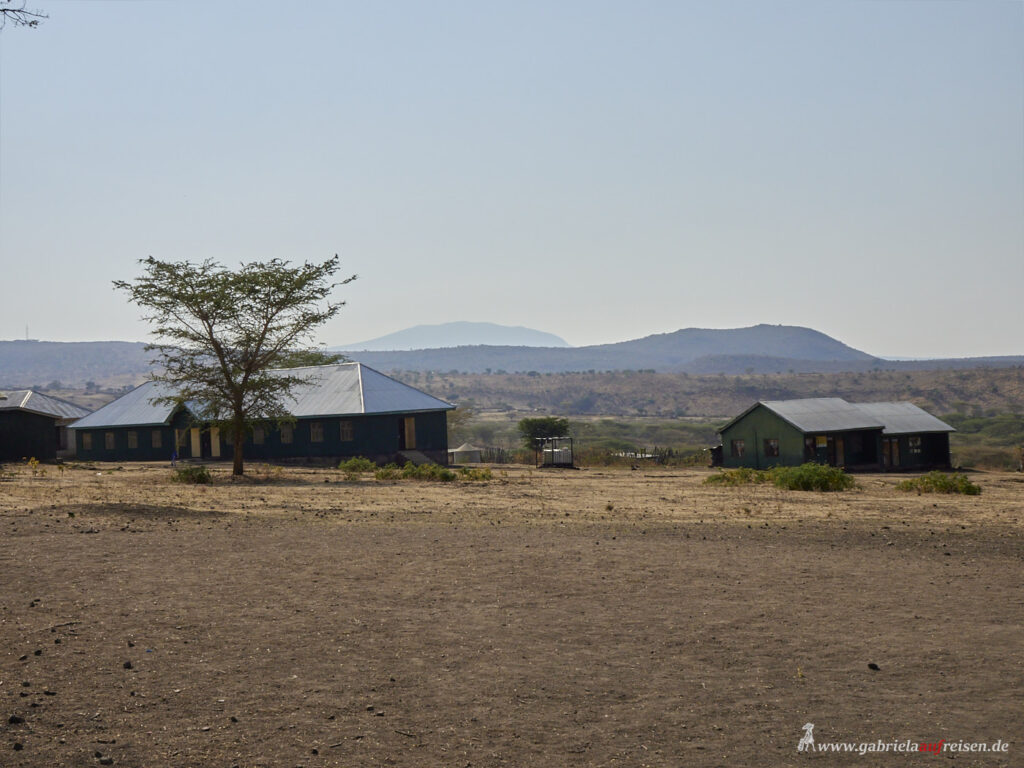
480 474
806 477
192 473
433 472
387 472
358 464
811 477
940 482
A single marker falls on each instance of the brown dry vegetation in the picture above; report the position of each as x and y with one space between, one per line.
589 618
629 393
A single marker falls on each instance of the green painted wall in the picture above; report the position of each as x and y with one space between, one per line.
753 429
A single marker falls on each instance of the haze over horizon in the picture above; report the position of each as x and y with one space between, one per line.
598 171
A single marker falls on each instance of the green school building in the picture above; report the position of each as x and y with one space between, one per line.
828 430
341 411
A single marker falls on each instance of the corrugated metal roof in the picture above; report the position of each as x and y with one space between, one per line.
833 414
133 409
823 414
382 394
332 390
46 405
904 418
353 388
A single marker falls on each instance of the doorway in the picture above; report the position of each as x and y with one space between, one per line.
406 433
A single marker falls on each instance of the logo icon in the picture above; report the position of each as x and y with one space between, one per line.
807 740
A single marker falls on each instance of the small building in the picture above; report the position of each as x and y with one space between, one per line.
341 411
36 425
464 454
829 430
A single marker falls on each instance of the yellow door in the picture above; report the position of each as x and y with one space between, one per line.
197 447
410 432
215 442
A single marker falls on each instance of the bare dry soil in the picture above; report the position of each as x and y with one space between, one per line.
544 618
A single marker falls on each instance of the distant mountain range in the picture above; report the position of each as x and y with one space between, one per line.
758 349
727 351
458 334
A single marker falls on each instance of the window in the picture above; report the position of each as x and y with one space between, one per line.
287 433
158 438
771 446
258 435
108 440
914 444
87 441
133 440
316 431
737 448
346 431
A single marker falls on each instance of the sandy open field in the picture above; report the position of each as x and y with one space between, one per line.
545 618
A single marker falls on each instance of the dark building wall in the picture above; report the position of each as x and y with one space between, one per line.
377 437
151 443
754 429
25 435
925 451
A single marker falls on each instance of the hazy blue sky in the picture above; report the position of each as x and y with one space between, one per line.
598 170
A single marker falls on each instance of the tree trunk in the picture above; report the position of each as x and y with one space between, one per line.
238 468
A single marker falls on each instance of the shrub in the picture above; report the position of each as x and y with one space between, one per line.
358 464
355 467
433 472
811 477
193 473
480 474
387 472
806 477
940 482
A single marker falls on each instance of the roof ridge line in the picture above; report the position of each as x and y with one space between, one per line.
362 396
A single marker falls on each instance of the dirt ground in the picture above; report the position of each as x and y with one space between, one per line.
544 618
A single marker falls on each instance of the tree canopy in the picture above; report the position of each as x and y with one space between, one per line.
220 332
542 426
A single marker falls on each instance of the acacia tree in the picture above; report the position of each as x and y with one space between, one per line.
19 15
219 333
542 426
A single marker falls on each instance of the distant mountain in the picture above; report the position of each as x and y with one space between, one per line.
666 352
458 334
759 349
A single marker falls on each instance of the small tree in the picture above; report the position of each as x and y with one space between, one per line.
542 426
220 332
458 424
